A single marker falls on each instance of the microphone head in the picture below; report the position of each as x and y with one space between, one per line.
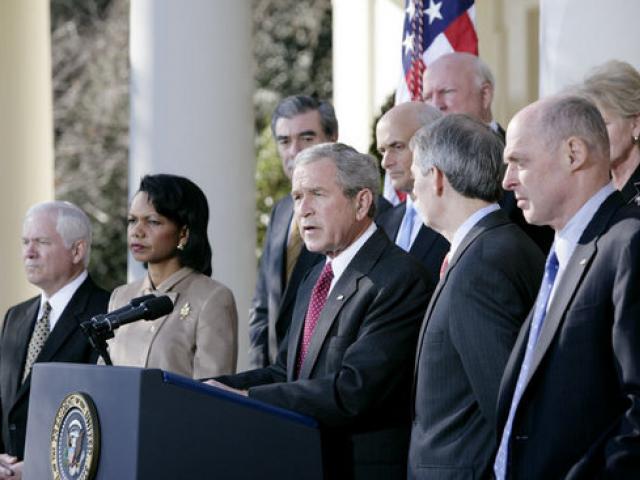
138 300
157 307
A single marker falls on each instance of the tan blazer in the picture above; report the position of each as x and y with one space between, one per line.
198 339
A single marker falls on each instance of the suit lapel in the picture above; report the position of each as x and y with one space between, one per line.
280 230
68 322
390 220
578 265
339 296
22 336
306 260
490 221
297 323
423 242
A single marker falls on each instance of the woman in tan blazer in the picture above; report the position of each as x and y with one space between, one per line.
167 231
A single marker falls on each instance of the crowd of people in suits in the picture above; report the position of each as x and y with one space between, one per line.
486 327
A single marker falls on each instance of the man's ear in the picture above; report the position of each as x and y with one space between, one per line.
575 150
78 251
364 199
438 181
486 91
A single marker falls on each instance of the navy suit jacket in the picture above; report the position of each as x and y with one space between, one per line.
273 299
356 378
469 329
429 247
66 343
579 416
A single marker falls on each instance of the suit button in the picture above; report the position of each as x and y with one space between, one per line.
12 427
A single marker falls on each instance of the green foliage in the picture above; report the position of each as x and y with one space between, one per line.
271 183
292 52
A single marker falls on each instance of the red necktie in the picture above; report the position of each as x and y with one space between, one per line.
316 304
445 265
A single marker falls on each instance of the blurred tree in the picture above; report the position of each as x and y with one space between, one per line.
292 53
91 121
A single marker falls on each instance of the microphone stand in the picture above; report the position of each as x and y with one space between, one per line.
98 340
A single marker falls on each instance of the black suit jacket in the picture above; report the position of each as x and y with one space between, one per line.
273 299
579 415
429 246
469 329
631 189
356 378
66 343
272 305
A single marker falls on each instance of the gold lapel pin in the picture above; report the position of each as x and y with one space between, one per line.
185 310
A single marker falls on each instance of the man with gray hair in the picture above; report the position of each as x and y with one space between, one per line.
488 283
56 241
349 354
569 403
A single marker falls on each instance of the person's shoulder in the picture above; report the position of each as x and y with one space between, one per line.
22 306
204 287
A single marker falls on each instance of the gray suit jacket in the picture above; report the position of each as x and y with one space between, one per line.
579 416
468 332
356 378
66 343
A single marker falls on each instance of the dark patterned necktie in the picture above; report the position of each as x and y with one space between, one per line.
316 304
38 337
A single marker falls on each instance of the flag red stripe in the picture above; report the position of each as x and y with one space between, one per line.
462 35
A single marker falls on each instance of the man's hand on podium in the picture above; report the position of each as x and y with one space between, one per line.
213 383
10 467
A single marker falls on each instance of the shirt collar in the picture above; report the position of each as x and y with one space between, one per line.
60 299
340 263
468 224
566 239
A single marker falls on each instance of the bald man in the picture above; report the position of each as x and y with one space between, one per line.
569 402
462 83
403 223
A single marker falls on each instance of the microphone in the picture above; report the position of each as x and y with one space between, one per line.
148 307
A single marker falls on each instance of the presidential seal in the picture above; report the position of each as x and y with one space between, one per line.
75 439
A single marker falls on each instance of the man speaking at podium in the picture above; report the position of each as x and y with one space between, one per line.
349 354
56 241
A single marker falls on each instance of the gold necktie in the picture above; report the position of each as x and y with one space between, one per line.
294 246
38 337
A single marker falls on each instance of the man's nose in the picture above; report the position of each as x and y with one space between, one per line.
509 180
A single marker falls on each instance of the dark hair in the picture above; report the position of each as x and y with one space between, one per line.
294 105
182 202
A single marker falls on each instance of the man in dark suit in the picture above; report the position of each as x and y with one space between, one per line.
347 360
569 403
460 82
489 283
402 223
298 122
56 241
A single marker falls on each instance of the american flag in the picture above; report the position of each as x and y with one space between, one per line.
431 29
